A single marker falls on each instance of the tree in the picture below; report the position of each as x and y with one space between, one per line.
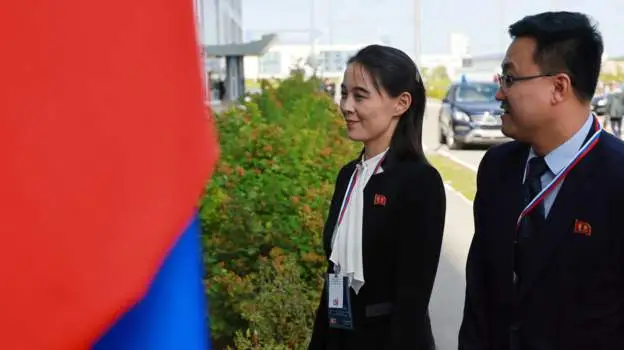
617 76
437 82
439 73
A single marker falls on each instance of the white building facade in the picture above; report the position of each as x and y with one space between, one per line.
332 59
219 23
223 21
277 63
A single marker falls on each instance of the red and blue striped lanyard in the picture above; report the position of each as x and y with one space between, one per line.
582 152
352 183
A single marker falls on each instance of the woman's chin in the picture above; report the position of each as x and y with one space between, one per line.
355 136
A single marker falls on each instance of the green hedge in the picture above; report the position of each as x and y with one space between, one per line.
263 214
436 86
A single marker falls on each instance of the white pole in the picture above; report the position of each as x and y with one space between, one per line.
201 38
418 32
330 19
312 36
503 23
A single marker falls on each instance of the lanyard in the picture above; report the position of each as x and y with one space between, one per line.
587 147
352 182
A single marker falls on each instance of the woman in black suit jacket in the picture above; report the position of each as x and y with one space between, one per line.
383 235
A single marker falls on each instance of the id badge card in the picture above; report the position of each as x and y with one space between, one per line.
339 302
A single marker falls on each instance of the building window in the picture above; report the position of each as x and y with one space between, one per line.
333 61
271 63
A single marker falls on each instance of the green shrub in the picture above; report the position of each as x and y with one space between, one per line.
264 210
437 82
282 312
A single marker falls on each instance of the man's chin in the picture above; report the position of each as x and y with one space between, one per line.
507 129
507 133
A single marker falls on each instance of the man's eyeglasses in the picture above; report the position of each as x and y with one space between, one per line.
506 81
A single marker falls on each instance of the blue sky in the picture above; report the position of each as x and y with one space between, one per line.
365 21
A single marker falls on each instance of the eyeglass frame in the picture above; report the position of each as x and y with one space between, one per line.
506 81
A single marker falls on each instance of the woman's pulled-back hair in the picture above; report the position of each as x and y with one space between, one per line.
395 73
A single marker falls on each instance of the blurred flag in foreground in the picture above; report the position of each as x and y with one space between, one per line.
105 147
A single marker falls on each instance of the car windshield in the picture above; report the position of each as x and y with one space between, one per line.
477 92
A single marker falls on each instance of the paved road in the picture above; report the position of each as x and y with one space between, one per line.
448 295
447 299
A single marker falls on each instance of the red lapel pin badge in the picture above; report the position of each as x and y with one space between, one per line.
380 199
582 228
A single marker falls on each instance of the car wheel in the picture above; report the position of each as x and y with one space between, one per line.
451 142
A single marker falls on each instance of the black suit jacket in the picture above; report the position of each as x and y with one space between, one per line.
572 294
401 248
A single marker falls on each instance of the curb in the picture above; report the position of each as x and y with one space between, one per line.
446 185
459 194
457 160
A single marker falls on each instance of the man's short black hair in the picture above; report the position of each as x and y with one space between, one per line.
567 42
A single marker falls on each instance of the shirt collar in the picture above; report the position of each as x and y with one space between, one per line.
373 161
563 155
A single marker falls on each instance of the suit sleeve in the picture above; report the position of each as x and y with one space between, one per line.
473 330
418 247
320 328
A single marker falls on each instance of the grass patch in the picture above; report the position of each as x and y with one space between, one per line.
459 177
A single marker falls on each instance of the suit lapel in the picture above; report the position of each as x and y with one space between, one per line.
561 217
334 209
510 204
373 187
388 166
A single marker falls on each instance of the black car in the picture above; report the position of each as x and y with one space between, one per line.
470 115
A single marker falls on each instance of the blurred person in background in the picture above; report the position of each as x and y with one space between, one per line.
383 234
615 111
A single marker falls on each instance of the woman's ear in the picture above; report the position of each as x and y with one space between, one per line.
402 103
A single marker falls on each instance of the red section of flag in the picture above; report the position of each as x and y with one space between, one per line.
105 147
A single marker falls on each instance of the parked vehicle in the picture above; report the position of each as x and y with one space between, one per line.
470 115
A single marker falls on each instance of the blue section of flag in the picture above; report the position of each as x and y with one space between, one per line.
173 315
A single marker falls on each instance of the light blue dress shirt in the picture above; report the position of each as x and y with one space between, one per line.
558 159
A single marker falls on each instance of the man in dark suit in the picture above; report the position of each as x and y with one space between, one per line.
545 269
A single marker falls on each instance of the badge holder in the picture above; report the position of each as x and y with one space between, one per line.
339 302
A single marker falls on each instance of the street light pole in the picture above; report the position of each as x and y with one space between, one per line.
312 58
501 16
201 38
418 31
330 19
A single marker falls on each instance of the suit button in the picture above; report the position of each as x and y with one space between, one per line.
515 327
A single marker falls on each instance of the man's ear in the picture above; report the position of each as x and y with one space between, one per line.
562 87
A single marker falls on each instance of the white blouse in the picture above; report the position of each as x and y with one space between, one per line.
347 239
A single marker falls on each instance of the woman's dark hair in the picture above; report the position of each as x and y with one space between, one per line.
395 72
